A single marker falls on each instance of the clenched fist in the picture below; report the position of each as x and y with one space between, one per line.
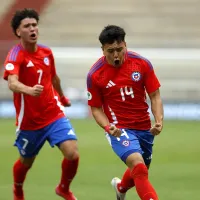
36 90
156 129
113 130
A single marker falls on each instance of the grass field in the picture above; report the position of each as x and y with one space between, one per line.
175 170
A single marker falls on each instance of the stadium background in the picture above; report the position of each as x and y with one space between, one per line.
166 32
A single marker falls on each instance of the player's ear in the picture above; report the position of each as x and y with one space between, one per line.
18 33
125 44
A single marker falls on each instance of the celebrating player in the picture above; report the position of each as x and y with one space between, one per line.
39 101
117 85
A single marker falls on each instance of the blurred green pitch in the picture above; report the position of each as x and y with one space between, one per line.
175 170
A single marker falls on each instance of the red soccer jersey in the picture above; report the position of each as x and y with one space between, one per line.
33 113
121 91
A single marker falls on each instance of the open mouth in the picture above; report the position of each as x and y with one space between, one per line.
33 35
117 62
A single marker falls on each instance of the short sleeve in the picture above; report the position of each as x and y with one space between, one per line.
93 93
151 81
12 63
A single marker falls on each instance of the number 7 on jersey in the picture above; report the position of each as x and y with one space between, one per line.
40 75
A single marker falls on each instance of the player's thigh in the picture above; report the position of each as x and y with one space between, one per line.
146 140
62 134
125 145
29 143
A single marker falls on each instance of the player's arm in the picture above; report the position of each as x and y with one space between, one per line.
103 121
152 86
100 116
12 67
16 86
95 102
157 106
57 84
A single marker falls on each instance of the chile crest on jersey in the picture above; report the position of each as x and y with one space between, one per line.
136 71
136 76
46 61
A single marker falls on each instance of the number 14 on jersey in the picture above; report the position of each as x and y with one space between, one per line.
126 91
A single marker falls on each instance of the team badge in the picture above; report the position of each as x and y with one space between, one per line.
89 95
126 143
136 76
9 66
46 61
23 152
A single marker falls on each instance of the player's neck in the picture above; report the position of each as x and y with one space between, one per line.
29 46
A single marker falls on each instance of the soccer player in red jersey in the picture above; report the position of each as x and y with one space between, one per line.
39 100
117 85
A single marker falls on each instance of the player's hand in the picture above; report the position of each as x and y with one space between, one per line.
65 101
156 129
113 130
36 90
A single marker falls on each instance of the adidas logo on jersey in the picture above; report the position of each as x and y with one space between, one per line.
110 84
30 64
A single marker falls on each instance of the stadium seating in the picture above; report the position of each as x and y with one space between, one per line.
149 24
152 23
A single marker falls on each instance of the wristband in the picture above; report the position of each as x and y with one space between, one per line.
107 129
64 100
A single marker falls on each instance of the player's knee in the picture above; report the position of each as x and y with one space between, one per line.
134 159
70 150
140 170
72 155
27 161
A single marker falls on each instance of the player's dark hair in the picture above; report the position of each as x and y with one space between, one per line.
20 15
112 33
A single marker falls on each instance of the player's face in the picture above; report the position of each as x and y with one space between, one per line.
28 30
115 53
